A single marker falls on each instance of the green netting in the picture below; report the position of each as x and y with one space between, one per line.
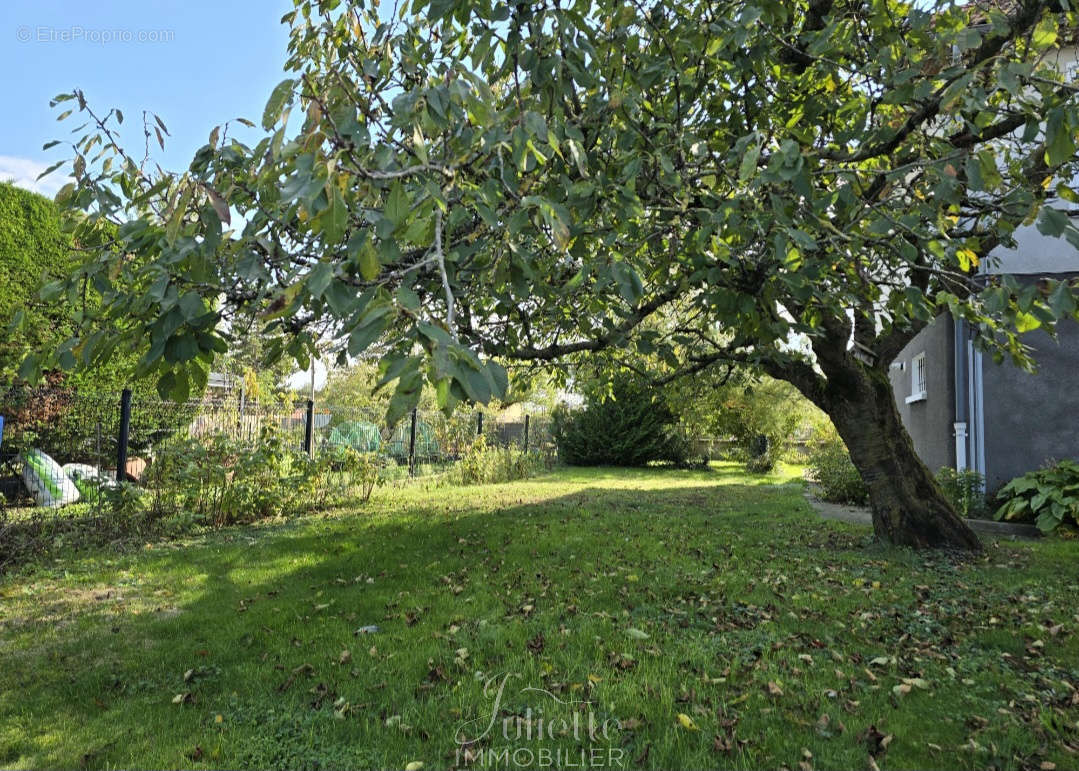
426 444
360 435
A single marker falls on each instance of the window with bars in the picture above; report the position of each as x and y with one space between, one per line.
918 390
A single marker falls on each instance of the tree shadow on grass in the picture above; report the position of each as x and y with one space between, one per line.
245 649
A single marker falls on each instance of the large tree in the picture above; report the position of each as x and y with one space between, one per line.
802 185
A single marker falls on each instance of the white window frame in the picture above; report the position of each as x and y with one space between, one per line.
919 377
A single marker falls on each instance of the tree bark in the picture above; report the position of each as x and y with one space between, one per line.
908 506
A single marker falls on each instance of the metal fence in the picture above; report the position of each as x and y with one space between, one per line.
58 446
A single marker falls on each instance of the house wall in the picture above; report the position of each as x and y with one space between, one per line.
929 422
1032 418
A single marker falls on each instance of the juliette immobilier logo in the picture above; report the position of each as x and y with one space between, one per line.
520 740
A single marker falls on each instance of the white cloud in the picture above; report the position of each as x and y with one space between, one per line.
24 172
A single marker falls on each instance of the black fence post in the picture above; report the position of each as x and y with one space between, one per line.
479 425
309 427
125 432
526 433
412 446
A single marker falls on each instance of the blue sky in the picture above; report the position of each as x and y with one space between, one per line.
196 63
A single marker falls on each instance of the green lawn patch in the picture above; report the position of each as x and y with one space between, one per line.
703 618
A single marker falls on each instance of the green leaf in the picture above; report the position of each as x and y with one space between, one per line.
52 291
499 377
176 220
335 216
278 97
1026 322
397 204
191 305
179 350
369 264
748 166
535 124
419 146
1059 145
51 169
30 368
404 399
368 332
1062 300
341 297
318 280
1052 222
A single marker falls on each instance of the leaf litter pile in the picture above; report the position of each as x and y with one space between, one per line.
655 619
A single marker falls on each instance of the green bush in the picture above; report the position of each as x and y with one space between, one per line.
1048 496
632 426
488 465
830 467
362 470
965 490
220 482
34 250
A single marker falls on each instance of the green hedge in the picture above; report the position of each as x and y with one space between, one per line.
33 251
66 415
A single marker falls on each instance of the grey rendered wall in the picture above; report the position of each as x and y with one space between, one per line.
1032 418
929 422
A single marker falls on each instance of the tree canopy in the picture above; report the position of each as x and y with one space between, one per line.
477 182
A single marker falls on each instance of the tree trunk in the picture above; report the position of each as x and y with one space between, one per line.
909 508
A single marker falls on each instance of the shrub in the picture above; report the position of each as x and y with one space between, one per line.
221 482
365 470
830 467
759 453
632 426
965 490
486 465
1048 496
763 417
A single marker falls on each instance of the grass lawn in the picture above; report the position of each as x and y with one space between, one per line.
713 615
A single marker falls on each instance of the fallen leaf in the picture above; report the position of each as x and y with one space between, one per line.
637 634
774 689
687 722
875 742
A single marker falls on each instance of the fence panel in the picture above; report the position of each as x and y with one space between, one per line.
48 429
